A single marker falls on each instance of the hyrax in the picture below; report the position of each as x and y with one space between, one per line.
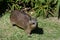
23 20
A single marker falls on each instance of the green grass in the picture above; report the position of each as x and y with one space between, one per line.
51 30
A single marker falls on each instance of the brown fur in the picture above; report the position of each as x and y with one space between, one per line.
23 20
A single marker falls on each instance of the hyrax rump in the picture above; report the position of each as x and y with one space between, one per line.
23 20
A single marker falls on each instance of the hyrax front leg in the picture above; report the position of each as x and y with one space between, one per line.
28 31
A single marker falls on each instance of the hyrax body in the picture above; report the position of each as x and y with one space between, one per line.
23 20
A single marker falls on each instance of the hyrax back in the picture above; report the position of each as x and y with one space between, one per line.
23 20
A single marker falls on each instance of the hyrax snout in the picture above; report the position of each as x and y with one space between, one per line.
23 20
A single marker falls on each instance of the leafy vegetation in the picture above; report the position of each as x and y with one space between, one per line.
44 8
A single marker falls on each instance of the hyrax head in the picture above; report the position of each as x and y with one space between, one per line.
33 23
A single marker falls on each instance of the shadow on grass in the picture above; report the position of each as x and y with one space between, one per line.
37 31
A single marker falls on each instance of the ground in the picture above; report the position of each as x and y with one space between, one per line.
49 30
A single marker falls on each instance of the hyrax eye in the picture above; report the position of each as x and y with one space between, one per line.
33 23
